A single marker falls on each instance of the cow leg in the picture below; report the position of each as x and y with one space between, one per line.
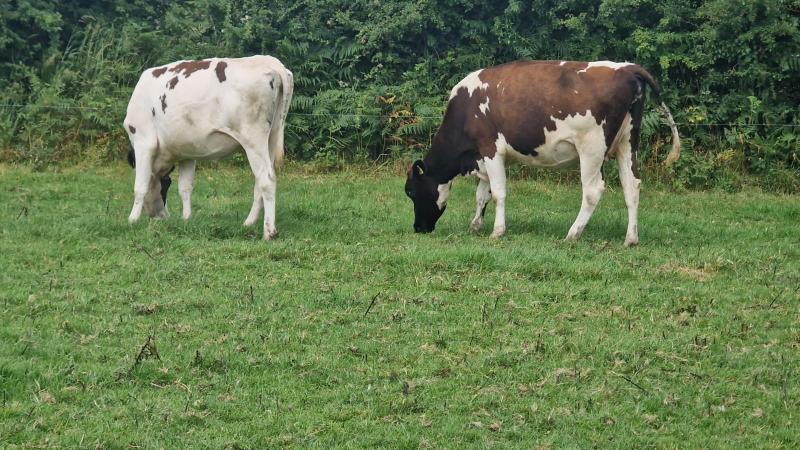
593 187
265 187
141 184
269 184
255 210
629 177
482 196
266 183
496 170
186 185
630 187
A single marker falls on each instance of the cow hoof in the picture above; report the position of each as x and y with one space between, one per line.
249 222
475 228
631 243
270 236
497 235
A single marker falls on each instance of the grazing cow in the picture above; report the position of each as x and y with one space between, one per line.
550 114
207 110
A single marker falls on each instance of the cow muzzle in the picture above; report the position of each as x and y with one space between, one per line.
424 229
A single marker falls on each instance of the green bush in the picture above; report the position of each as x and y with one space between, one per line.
372 77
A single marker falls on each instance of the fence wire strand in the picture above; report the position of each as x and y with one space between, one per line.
385 116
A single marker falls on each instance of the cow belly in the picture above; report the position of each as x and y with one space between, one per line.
560 155
559 150
212 146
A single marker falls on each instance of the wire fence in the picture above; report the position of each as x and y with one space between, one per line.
386 116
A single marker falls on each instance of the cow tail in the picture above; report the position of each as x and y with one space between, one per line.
676 141
675 152
287 83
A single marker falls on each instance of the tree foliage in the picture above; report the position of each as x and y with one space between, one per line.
372 76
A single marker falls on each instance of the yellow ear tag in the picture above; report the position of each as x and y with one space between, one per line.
419 169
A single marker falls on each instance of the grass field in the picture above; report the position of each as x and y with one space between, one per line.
351 331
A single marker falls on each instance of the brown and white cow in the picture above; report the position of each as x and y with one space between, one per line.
550 114
207 110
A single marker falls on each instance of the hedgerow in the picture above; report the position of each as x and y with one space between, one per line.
372 76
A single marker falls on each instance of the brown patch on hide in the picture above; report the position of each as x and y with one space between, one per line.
187 68
220 70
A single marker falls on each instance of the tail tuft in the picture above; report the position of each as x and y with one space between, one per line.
675 152
287 83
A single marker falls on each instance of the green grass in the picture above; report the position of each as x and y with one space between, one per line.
349 330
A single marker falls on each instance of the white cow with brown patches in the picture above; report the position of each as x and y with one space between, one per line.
549 114
207 110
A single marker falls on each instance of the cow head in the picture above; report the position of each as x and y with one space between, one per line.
429 197
154 204
151 205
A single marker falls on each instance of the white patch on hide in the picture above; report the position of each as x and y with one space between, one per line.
560 150
608 64
481 174
482 171
444 194
502 145
484 106
471 82
562 63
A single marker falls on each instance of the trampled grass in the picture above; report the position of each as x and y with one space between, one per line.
351 331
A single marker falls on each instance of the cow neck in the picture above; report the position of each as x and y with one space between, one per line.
441 171
442 163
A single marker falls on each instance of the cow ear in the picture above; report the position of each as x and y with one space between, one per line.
418 168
